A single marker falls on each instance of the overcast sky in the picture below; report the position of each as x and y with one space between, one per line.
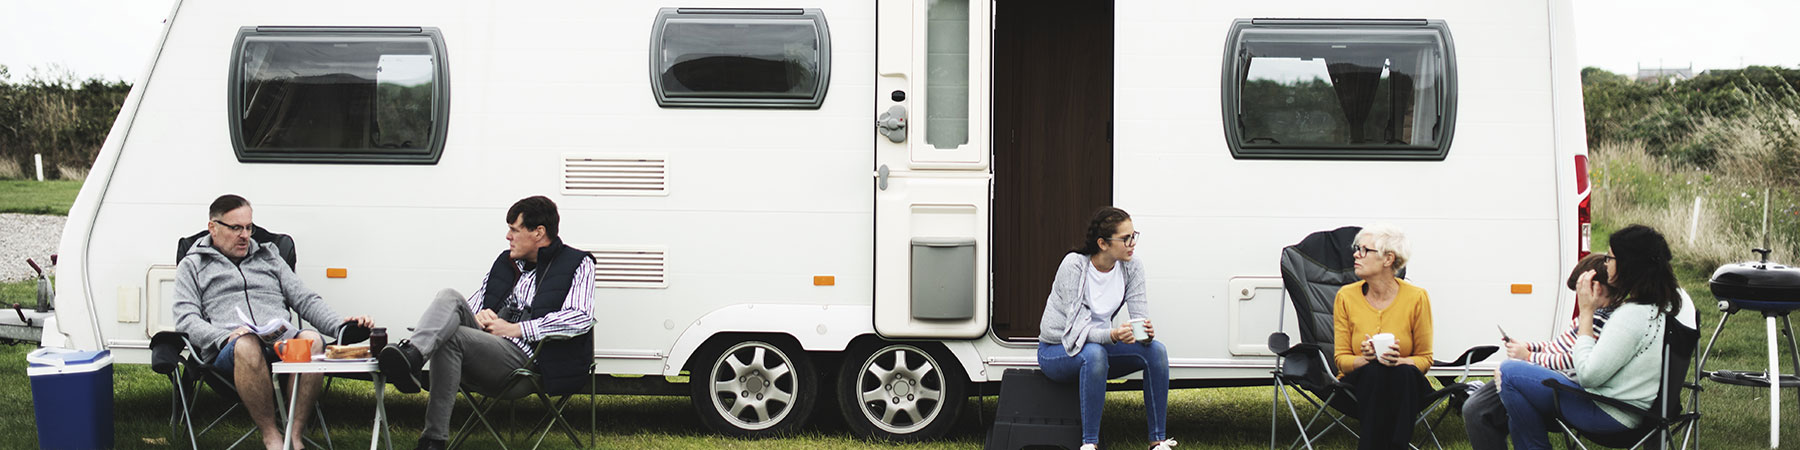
113 38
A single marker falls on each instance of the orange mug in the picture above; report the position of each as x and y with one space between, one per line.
294 350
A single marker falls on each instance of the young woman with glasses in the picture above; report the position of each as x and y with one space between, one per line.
1390 382
1077 342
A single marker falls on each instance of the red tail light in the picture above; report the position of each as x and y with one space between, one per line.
1584 221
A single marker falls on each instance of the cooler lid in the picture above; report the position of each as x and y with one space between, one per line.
52 357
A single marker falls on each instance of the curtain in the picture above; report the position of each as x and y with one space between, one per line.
1355 80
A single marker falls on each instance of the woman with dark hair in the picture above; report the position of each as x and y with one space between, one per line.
1623 364
1077 341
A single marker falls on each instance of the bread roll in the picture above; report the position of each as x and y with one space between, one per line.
346 351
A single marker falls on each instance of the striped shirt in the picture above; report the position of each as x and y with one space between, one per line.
1556 354
575 317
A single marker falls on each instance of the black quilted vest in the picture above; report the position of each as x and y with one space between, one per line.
563 364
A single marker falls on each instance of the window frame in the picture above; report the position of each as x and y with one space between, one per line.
1235 66
747 15
440 111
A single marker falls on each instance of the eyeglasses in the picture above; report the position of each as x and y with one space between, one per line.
1359 250
235 228
1606 258
1128 240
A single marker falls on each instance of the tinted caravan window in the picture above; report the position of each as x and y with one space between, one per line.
369 95
757 58
1318 89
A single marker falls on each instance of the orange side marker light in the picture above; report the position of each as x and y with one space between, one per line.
824 280
1521 288
336 272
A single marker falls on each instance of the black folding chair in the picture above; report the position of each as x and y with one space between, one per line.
175 356
1312 271
1665 418
529 380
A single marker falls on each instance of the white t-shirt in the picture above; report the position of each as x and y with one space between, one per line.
1105 294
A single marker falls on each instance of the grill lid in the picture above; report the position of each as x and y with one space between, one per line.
1757 281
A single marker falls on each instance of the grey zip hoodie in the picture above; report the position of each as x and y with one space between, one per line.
1066 312
210 290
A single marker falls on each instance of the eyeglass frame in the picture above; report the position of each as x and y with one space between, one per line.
1128 239
245 228
1356 250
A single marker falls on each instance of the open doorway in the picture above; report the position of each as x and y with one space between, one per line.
1053 165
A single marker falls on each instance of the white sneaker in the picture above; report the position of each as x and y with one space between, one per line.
1166 444
1090 447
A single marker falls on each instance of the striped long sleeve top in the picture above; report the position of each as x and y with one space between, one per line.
1557 353
574 318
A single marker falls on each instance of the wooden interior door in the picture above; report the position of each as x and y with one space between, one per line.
1053 165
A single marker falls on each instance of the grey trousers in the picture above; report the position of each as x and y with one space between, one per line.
1485 418
447 335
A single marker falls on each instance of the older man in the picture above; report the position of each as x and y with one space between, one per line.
230 278
536 289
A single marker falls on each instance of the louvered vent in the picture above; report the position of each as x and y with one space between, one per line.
630 267
616 175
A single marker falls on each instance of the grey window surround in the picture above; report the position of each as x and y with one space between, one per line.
371 149
762 56
1421 129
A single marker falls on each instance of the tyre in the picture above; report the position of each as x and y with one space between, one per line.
899 392
754 388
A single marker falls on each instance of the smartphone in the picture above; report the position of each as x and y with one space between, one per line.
1503 336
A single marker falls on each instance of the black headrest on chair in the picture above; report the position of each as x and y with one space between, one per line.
284 244
1312 271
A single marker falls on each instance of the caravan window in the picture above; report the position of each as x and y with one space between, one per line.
370 95
1315 89
756 58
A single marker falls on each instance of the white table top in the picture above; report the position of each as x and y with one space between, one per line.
317 366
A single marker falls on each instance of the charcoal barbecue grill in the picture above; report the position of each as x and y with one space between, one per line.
1772 289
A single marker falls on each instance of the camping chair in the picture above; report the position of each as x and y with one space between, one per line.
552 394
1665 418
1312 271
173 355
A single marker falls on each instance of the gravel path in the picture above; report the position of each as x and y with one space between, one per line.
27 236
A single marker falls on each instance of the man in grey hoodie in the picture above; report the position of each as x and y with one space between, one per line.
230 278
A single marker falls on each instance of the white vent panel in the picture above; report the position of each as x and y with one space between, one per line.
630 267
615 175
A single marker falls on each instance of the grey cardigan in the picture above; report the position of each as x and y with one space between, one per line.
1066 312
210 289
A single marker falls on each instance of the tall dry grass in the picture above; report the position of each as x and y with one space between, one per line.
10 170
1756 156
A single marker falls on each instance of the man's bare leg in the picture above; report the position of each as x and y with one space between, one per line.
250 373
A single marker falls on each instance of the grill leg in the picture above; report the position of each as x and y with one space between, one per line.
1774 377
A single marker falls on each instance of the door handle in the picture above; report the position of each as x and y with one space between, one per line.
892 124
881 174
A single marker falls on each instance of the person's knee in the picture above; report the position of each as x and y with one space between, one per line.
1093 360
1157 353
246 349
318 341
449 296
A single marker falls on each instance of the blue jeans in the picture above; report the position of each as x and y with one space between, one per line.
227 359
1528 407
1096 363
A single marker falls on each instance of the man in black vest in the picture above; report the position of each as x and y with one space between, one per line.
536 289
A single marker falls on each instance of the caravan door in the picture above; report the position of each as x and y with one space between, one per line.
932 179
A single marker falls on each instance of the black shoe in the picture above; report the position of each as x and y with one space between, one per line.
400 364
430 444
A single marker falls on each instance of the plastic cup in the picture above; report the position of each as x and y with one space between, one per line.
1383 342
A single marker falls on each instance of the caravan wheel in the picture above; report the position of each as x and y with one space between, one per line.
899 392
754 389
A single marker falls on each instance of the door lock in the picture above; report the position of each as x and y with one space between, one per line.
893 124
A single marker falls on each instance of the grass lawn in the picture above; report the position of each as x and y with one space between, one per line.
1226 418
38 197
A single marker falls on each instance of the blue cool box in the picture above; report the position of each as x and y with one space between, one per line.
73 400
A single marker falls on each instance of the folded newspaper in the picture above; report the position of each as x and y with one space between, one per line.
273 330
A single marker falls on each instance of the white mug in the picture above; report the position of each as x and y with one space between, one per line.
1382 342
1137 330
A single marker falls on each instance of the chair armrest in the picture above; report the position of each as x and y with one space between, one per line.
351 333
1473 355
1644 414
165 351
1278 342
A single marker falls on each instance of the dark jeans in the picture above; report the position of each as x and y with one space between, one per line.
1484 417
1527 400
1387 400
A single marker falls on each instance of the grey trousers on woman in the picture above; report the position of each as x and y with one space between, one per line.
447 335
1485 418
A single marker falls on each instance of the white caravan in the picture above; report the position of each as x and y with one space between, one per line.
865 197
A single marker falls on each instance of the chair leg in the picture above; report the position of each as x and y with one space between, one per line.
477 411
180 405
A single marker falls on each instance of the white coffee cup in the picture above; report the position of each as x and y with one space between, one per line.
1382 342
1137 330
